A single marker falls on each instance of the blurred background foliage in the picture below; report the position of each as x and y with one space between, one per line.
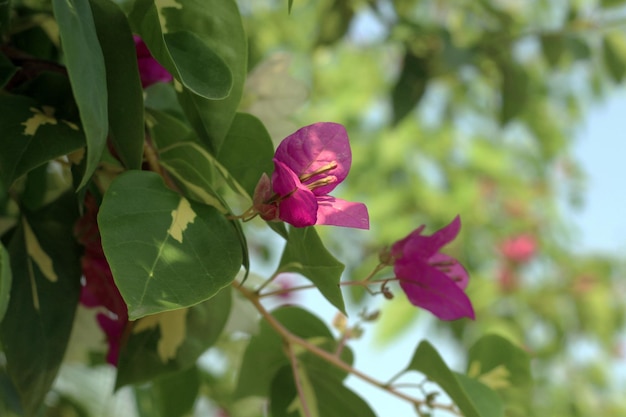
467 107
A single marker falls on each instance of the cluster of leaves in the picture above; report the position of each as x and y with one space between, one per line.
165 169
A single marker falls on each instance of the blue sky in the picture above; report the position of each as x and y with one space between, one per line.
601 149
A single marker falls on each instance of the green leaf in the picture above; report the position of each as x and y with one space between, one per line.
5 280
7 70
165 251
486 400
184 334
611 3
125 96
45 262
334 21
85 67
247 151
170 396
330 396
305 254
553 46
514 93
5 13
185 55
265 354
198 172
427 361
492 352
289 5
410 87
279 228
31 136
579 48
195 169
614 53
219 25
199 67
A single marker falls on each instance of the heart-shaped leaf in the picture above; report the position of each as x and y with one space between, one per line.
165 251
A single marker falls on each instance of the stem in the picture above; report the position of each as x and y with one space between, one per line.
153 161
246 216
342 343
290 339
395 377
296 379
363 284
279 271
376 270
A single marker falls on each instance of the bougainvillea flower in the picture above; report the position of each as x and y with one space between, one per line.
150 71
308 165
99 289
520 248
430 279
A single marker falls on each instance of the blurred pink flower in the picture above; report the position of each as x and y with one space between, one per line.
430 279
520 248
150 71
285 283
308 165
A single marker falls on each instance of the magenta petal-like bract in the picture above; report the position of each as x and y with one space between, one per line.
432 280
150 70
337 212
452 268
416 245
432 290
308 165
299 208
313 147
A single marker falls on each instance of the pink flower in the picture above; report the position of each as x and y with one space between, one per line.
308 165
150 71
520 248
430 279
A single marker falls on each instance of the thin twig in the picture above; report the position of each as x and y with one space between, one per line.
296 379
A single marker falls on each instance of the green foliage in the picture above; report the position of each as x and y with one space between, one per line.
45 267
267 357
170 343
171 396
7 70
326 394
247 151
218 25
305 254
183 53
125 103
32 136
472 397
87 73
411 85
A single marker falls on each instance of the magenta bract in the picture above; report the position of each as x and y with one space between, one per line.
430 279
308 165
150 71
